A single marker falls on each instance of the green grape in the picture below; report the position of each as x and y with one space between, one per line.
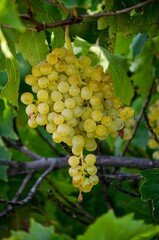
63 87
106 121
100 130
70 70
78 101
67 114
32 122
77 180
27 98
58 119
78 141
43 82
58 106
31 109
45 68
63 130
30 80
56 96
95 101
86 113
73 161
127 133
69 58
56 137
113 113
53 76
92 170
51 127
120 123
96 75
60 66
89 125
77 150
130 122
96 115
43 108
52 86
51 116
73 80
52 58
72 122
41 119
90 160
155 155
87 185
35 88
62 78
70 103
42 95
36 71
86 93
74 90
77 111
84 61
94 179
94 85
152 143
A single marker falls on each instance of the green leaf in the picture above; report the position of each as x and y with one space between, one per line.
109 227
150 189
10 90
38 232
141 71
116 65
32 46
9 14
7 114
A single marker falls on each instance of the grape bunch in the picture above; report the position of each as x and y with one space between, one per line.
76 104
153 119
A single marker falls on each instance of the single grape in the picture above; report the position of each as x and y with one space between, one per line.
73 161
27 98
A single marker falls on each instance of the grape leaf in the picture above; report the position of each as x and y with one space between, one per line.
10 90
109 227
9 14
150 189
7 114
141 71
37 231
32 46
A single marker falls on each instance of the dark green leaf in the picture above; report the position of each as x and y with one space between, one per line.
150 188
142 71
7 114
